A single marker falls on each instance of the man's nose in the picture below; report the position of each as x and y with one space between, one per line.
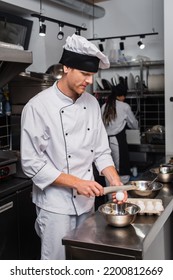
89 79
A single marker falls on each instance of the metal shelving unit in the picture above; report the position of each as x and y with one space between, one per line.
147 105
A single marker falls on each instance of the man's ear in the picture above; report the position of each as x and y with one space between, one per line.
65 68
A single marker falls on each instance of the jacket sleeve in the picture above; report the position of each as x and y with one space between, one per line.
103 156
132 122
34 140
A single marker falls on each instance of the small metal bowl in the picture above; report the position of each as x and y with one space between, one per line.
145 189
161 177
166 168
119 215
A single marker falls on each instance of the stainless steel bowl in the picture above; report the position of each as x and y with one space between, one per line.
161 177
145 189
119 215
166 168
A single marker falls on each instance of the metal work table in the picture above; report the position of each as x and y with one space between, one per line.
149 237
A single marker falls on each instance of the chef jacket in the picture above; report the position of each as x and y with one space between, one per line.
124 116
60 135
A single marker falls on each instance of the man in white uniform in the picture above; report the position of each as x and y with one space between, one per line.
62 134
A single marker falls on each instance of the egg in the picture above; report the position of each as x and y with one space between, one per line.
119 196
149 206
158 206
141 205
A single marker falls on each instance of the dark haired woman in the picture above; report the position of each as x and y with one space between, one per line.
117 116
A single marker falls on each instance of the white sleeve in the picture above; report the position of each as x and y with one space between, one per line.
34 140
132 122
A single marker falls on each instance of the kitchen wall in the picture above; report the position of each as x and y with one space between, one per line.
168 42
122 17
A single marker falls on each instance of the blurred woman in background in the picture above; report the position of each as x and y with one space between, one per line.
117 116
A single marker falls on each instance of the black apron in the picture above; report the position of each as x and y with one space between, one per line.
124 162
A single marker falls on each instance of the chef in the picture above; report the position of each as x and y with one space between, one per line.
62 135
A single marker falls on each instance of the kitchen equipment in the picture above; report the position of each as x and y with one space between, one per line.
106 84
161 177
166 168
156 82
55 70
119 215
26 85
131 82
144 189
155 135
150 184
113 81
137 82
7 164
12 62
133 136
99 83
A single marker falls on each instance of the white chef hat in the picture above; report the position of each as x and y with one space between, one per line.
79 53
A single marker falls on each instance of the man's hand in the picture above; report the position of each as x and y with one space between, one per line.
117 200
89 188
83 187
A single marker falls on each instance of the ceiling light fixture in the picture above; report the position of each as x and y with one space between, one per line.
121 46
60 35
62 23
101 48
141 45
77 31
42 28
123 37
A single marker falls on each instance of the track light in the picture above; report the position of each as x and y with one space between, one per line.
60 35
123 37
77 31
101 48
121 46
141 45
42 29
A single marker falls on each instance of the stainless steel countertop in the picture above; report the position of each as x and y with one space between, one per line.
133 240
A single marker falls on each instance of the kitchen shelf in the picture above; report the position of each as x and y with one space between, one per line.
147 105
142 65
133 93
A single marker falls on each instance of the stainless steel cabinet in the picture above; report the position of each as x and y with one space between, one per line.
9 242
18 239
29 242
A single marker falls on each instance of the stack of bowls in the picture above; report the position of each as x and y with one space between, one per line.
164 173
